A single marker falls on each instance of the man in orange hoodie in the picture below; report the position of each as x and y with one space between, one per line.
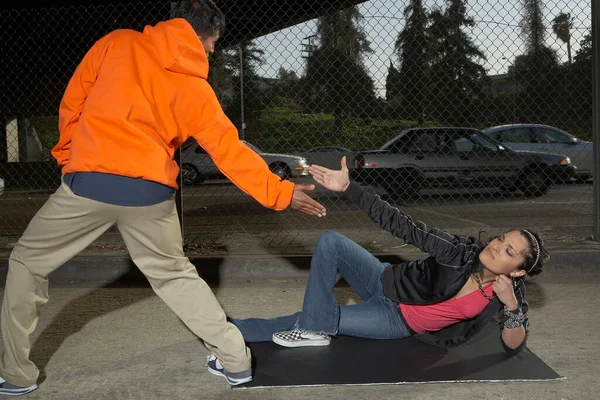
134 99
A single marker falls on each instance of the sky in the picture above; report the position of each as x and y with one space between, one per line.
496 32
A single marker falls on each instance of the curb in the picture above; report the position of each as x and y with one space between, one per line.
573 263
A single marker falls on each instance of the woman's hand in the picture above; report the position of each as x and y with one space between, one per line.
338 181
503 287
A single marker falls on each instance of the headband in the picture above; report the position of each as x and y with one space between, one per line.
537 249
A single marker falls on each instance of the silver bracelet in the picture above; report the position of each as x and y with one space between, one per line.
513 319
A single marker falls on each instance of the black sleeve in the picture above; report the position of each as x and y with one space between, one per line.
441 245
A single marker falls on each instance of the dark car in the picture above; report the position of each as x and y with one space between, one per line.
448 157
329 156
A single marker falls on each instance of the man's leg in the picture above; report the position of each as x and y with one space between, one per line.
62 228
333 253
153 238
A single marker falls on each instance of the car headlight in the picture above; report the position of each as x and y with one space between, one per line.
565 161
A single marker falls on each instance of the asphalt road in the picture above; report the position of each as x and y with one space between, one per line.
220 216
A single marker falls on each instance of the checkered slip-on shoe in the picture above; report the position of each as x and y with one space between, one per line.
6 389
233 378
300 338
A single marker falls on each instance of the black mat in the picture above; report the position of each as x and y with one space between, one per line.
354 361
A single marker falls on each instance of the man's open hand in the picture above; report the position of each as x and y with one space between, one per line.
303 202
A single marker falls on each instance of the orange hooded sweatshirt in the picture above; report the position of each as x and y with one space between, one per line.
136 97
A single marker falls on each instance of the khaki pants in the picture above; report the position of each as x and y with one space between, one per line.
66 225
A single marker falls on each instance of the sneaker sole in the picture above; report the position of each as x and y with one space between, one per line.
302 343
229 380
17 392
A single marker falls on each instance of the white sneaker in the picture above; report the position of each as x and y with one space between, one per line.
301 338
7 389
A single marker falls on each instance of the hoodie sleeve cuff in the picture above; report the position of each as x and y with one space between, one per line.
353 192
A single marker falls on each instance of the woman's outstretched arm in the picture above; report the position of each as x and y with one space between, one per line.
445 247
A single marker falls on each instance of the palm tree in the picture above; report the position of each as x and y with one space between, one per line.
561 25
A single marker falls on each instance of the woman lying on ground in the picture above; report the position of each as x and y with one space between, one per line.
445 299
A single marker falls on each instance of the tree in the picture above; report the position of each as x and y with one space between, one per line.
561 26
335 74
536 71
532 25
227 69
392 83
457 80
580 96
286 75
411 49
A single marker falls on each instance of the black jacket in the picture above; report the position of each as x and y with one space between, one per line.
436 278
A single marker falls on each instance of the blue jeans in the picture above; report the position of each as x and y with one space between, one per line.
377 317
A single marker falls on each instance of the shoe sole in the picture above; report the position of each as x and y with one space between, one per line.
301 343
17 392
236 382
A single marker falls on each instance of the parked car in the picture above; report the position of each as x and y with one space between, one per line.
329 156
1 185
448 157
329 149
197 166
547 139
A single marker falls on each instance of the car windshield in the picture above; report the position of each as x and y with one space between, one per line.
391 142
484 142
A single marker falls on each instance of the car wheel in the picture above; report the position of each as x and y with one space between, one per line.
403 185
534 183
189 175
281 170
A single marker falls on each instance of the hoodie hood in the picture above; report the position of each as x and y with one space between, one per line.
179 47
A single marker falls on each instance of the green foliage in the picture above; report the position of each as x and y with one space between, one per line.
292 131
47 130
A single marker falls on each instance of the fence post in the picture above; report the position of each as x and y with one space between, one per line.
596 113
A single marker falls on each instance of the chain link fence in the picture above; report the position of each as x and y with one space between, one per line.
469 115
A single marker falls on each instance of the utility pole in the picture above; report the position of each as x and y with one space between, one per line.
243 122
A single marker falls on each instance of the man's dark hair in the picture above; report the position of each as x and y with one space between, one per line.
203 15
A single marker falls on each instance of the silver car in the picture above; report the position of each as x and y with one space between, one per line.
197 166
547 139
1 185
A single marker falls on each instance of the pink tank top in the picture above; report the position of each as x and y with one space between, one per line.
433 317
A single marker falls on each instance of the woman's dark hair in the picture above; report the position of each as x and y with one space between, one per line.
535 258
537 255
203 15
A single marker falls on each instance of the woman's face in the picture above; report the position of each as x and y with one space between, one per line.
504 254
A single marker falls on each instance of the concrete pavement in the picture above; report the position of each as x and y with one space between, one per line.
120 342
